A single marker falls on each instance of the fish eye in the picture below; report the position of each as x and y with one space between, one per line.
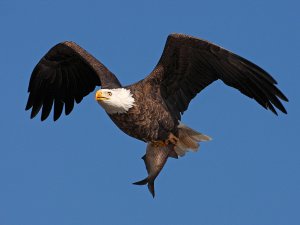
109 93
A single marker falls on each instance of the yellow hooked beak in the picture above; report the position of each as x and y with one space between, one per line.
100 97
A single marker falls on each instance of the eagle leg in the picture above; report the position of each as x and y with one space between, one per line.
172 139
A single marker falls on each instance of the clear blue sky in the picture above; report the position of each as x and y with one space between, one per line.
79 170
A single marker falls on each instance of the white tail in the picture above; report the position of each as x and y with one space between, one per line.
188 140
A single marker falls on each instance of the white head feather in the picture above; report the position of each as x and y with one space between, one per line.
118 100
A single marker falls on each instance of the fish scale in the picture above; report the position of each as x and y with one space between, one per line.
155 159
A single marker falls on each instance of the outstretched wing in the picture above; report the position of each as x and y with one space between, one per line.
189 64
66 73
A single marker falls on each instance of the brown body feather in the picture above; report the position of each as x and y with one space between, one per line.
150 119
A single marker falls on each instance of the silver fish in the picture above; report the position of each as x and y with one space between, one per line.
155 159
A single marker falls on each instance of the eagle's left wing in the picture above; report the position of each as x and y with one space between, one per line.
189 64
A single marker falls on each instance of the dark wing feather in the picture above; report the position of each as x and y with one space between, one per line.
189 64
67 73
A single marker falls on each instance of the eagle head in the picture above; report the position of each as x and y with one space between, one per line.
118 100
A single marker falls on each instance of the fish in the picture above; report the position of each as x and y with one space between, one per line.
155 159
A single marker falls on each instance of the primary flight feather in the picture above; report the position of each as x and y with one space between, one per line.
151 109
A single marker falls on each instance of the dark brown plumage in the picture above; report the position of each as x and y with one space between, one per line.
188 65
66 73
149 110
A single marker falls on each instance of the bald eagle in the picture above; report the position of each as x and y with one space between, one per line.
150 109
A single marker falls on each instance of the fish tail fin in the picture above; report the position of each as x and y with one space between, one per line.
188 139
141 182
151 188
150 185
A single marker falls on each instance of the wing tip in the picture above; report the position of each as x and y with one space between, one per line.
283 97
43 117
273 110
32 115
56 117
284 111
27 107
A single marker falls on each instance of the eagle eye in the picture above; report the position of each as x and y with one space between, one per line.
109 93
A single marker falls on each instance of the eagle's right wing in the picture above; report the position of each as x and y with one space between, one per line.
66 73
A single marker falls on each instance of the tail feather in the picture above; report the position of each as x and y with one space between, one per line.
188 139
201 137
188 142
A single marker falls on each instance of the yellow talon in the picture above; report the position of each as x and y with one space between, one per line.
172 139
